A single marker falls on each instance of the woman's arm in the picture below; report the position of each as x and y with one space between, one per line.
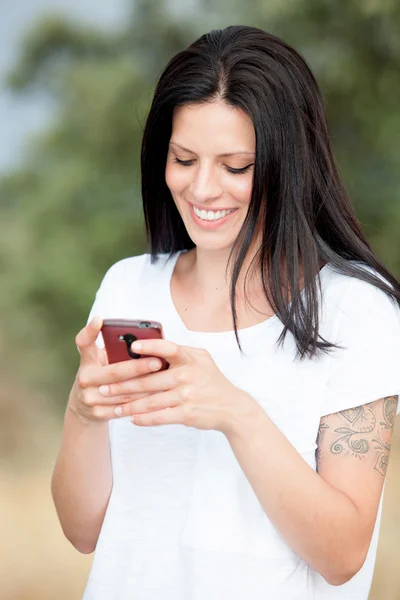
82 479
321 515
327 518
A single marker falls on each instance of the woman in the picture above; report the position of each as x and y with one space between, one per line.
254 466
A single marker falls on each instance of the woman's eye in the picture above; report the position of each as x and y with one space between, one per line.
184 163
188 163
239 171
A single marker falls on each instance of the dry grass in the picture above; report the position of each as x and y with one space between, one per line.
38 563
386 581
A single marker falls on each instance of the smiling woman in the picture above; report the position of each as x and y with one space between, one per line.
211 188
253 467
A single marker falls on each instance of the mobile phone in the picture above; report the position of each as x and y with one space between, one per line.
118 335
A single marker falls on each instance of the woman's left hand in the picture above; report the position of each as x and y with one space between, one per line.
195 392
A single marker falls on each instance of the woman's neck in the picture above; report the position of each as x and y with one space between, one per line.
206 273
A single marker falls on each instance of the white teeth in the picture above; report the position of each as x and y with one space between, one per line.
211 215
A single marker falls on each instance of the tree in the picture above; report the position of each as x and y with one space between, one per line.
72 208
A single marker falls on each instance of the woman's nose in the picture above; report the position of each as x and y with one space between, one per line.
205 184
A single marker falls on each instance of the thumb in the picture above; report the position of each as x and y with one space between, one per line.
86 339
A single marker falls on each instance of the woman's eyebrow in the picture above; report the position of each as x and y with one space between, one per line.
219 155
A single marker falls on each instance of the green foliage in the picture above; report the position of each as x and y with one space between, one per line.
73 207
54 42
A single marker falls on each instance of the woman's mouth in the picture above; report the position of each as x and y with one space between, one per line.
211 219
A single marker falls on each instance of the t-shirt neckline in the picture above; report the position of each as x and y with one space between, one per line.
246 332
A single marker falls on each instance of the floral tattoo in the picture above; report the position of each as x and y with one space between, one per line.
361 432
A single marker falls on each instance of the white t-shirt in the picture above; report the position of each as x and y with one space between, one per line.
183 523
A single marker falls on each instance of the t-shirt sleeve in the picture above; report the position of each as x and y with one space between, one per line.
105 298
368 366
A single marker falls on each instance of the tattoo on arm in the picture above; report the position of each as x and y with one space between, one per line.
320 436
389 411
361 432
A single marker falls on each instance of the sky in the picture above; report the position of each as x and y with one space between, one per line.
20 117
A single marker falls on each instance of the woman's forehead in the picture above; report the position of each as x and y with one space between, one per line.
217 125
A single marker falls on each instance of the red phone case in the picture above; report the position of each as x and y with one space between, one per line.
118 334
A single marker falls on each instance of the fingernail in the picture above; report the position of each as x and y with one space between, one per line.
136 346
104 390
154 365
97 321
118 410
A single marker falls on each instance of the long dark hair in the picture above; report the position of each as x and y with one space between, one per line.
298 196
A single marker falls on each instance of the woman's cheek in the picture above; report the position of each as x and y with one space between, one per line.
241 188
174 178
169 180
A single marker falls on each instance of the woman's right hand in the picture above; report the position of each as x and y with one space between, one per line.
85 400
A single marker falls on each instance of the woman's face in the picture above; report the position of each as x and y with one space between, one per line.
209 169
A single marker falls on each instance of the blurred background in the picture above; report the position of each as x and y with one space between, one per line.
76 82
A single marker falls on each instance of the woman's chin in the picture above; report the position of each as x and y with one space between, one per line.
211 245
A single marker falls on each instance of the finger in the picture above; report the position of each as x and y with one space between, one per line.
86 339
94 376
96 400
164 380
128 369
166 416
162 348
102 413
153 402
